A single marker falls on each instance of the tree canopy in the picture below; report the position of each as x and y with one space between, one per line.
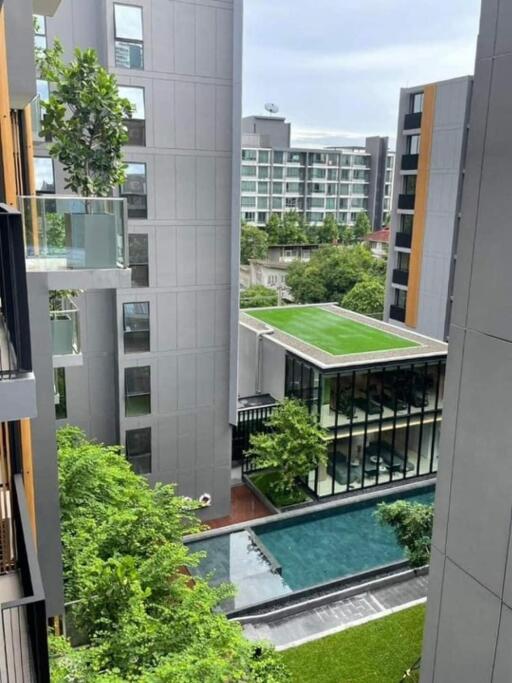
367 297
289 229
253 243
258 296
412 524
362 226
331 273
125 564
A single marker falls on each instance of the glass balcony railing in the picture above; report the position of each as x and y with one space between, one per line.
64 322
74 233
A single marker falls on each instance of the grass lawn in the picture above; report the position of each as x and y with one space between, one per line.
330 332
264 480
377 652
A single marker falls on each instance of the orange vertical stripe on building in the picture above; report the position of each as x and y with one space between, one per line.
28 474
6 143
420 206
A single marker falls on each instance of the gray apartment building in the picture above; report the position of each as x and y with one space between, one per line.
469 617
337 181
431 141
151 363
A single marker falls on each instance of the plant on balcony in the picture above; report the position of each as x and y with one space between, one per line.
127 567
412 524
294 446
85 120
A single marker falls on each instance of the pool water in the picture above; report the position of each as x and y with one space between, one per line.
312 549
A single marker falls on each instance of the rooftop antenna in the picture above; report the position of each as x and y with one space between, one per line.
271 108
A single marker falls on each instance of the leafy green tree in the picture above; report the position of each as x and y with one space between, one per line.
332 272
126 565
367 296
286 230
253 243
362 226
85 120
347 236
258 296
295 445
412 524
329 231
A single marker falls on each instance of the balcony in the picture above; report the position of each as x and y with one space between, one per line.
403 240
400 277
397 313
406 202
409 162
67 234
412 121
64 323
17 383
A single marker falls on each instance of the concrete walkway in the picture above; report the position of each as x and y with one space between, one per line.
331 618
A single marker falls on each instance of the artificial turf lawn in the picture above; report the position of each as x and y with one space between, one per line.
330 332
377 652
264 480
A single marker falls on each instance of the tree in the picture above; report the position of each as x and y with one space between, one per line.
258 296
367 296
412 524
347 235
85 120
286 230
328 232
125 564
295 445
253 243
362 226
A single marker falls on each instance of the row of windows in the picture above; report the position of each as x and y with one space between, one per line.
264 187
298 203
278 173
261 217
263 156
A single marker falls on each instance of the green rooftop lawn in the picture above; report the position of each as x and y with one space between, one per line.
330 332
377 652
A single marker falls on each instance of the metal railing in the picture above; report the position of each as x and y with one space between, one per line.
15 350
250 421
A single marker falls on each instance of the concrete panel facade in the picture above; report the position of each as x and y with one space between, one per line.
469 617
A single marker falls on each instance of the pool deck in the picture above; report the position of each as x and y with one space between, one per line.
317 622
245 507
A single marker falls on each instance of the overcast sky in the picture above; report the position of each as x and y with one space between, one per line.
335 67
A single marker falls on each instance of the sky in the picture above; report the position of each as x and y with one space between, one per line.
335 67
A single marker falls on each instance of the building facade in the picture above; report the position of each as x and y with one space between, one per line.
469 615
341 182
155 372
431 141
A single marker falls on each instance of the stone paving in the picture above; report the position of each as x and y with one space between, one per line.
336 616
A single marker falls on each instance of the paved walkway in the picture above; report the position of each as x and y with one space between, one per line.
337 616
244 508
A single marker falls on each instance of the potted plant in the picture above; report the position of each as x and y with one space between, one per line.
62 321
84 121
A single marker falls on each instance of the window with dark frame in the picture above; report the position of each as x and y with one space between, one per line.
138 259
136 125
138 449
137 391
406 223
413 144
416 103
134 190
136 327
129 36
410 184
400 298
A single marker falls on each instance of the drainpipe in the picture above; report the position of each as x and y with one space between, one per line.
259 357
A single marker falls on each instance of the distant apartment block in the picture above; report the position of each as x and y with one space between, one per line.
151 363
431 139
341 182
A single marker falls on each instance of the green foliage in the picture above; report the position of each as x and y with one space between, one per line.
253 243
367 296
124 561
294 446
362 226
57 297
286 230
347 236
331 273
258 296
55 232
84 118
412 524
326 233
265 482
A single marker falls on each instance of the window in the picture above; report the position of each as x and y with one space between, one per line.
278 173
129 36
345 174
134 190
318 158
331 188
316 203
277 202
296 157
410 184
343 203
406 221
59 391
138 449
345 189
138 259
136 125
40 31
248 155
294 187
264 156
358 203
248 202
262 217
346 160
45 175
359 189
262 188
402 260
136 327
416 106
330 203
400 298
293 172
137 391
361 175
278 157
343 217
249 171
317 173
317 188
277 188
248 186
262 202
263 172
413 144
43 94
332 174
248 216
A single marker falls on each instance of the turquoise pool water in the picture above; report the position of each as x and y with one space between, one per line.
311 549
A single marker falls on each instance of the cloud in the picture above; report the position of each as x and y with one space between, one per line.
317 137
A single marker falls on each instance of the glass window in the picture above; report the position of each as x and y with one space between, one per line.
359 189
296 157
263 156
400 298
262 202
134 190
136 125
248 202
137 390
248 155
45 175
249 171
317 202
129 37
410 184
136 327
317 188
138 449
345 174
278 172
413 144
294 187
417 103
138 259
294 172
406 223
263 172
248 216
40 31
332 174
248 186
262 217
277 188
402 260
278 157
317 173
345 189
59 391
330 203
262 188
346 160
277 202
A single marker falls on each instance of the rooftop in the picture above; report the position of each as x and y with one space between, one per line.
330 336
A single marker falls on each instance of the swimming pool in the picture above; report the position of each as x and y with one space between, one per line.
277 558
